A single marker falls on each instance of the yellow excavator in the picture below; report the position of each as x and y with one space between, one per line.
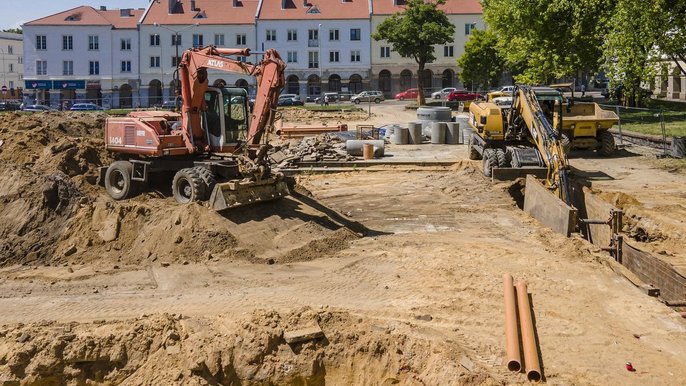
526 134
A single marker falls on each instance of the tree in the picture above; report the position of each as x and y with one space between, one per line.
13 30
481 65
673 41
413 32
631 45
541 40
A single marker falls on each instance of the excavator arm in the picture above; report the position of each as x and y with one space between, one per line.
526 118
269 74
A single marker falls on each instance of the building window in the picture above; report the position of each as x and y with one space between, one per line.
242 59
271 35
67 67
448 51
11 84
176 40
469 27
125 66
333 57
355 34
355 56
154 40
11 68
93 43
385 52
20 60
292 56
313 59
10 50
313 38
41 42
154 62
93 67
174 62
41 67
241 39
67 43
333 35
292 35
219 40
126 44
198 40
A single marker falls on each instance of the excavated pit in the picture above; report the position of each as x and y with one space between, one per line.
172 349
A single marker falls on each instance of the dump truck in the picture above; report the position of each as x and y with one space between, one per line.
216 147
526 134
586 125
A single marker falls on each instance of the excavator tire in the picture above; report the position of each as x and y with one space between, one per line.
208 179
473 154
566 143
501 158
188 186
607 143
490 160
118 181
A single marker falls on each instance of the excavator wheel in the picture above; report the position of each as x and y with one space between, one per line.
490 161
607 143
473 153
208 179
501 158
118 181
188 186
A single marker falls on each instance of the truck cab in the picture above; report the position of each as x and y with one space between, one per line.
226 119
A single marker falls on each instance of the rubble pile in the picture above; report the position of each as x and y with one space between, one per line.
325 147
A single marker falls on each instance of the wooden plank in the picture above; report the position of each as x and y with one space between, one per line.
303 334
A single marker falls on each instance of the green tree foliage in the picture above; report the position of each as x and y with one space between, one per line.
631 50
545 39
13 30
673 42
413 32
481 64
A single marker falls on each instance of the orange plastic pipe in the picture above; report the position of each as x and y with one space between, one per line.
514 361
532 365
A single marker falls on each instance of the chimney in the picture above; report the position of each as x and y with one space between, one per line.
103 8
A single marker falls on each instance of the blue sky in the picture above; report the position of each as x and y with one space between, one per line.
13 13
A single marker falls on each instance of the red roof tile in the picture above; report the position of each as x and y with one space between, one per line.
327 9
122 22
213 11
386 7
85 15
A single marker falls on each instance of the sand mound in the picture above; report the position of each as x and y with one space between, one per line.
53 212
332 118
250 351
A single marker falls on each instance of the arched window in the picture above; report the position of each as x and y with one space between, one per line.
125 96
293 84
385 81
314 85
335 83
405 80
355 84
448 78
154 93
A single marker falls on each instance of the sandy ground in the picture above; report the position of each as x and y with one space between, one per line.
400 267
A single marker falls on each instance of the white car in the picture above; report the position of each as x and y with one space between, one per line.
507 89
443 93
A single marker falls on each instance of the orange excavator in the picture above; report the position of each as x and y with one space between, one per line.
216 146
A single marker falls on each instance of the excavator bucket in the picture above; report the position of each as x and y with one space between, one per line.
232 194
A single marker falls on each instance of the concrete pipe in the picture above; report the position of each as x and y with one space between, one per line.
452 134
526 325
415 129
438 132
356 147
514 361
400 136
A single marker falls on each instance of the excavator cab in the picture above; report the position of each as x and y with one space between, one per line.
226 119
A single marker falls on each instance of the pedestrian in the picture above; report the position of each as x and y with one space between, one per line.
583 90
326 100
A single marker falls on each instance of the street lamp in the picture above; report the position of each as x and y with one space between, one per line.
4 79
176 38
321 60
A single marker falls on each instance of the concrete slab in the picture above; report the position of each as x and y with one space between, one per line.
547 208
510 174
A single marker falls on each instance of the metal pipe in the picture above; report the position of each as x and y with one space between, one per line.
514 361
531 362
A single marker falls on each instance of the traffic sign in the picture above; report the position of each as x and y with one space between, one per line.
4 90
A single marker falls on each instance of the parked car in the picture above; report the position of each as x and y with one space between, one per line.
443 93
507 89
332 96
10 106
463 95
85 107
368 96
289 100
36 108
410 93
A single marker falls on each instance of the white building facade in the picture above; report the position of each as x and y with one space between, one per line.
81 55
11 65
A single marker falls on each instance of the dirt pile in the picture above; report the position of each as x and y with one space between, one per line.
333 118
252 350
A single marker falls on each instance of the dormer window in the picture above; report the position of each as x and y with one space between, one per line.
200 15
313 10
